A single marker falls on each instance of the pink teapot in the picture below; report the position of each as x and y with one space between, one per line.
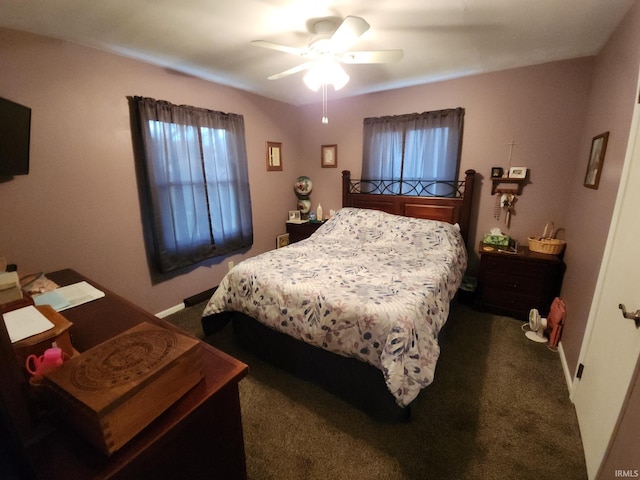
38 366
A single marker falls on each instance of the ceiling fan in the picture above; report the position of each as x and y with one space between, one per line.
328 47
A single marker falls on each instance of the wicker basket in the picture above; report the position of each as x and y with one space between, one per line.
547 243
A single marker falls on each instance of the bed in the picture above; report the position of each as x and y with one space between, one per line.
358 306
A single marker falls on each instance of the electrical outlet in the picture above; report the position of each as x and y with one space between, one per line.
230 265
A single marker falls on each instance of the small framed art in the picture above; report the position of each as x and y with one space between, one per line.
294 216
496 172
274 156
596 159
329 156
518 172
282 240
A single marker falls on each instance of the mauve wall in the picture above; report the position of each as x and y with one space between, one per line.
610 108
79 206
541 108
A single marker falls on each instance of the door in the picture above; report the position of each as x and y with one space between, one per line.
611 348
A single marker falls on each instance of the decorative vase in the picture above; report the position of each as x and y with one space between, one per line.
303 187
304 205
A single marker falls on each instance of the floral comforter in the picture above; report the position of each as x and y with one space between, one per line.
366 284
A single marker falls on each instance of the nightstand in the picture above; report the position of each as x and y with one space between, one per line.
300 231
514 283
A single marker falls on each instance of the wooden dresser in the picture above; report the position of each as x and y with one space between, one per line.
199 436
512 284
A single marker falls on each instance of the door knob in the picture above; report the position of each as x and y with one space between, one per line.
631 316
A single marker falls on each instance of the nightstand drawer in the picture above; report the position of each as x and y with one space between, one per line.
514 302
514 283
513 265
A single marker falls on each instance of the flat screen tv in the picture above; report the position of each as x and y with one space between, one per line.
15 134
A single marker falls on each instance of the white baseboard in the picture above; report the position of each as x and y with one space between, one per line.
170 310
565 368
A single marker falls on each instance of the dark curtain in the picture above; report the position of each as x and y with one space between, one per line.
197 181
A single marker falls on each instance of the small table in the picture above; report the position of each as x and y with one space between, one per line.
199 436
300 231
514 283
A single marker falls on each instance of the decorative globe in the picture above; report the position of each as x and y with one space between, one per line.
304 206
303 186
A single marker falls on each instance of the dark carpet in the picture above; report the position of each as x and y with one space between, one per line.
498 409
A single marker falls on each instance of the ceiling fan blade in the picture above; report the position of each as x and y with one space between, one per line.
374 56
280 48
291 71
348 32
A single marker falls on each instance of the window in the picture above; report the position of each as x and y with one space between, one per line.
197 181
411 154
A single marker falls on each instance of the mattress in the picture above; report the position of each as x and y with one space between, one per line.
367 284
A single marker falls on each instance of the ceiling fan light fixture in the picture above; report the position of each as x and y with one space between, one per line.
326 73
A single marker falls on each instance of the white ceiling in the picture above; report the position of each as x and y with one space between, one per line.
441 39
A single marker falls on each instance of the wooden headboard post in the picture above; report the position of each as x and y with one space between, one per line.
452 209
346 186
467 202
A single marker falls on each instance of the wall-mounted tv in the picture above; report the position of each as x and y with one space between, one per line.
15 134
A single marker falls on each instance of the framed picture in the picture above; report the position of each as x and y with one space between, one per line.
282 240
596 159
294 216
496 172
329 156
274 156
518 172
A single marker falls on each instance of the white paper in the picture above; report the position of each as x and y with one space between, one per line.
70 296
26 322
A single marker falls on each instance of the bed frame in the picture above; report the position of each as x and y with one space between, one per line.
454 207
356 382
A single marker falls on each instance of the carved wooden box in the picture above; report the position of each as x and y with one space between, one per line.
112 391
